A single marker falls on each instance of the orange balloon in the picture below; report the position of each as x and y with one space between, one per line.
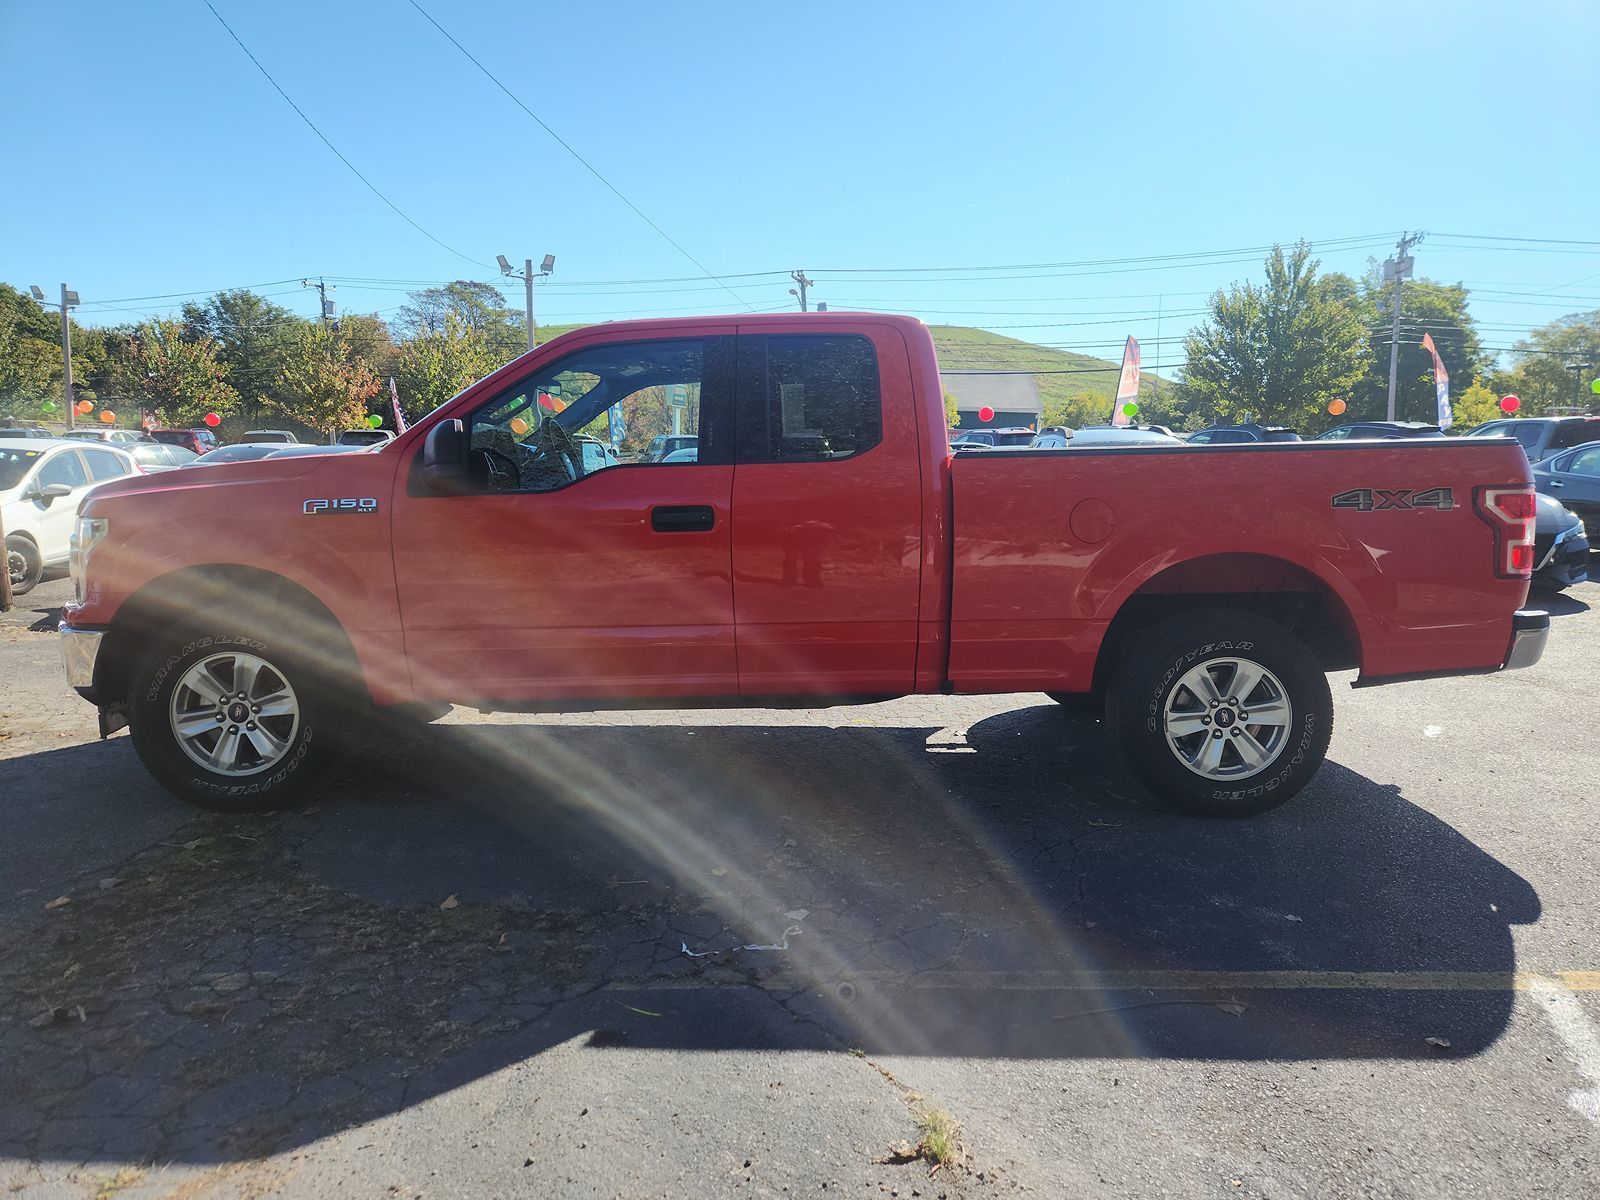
519 426
1336 407
107 417
84 406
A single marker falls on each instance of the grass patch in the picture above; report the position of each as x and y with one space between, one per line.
108 1186
940 1131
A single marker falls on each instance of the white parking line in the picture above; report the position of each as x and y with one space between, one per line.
1578 1035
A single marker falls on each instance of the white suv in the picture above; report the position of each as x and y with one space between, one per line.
42 482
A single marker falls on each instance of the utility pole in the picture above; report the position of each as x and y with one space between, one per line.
330 309
69 300
1578 369
800 279
1398 269
528 275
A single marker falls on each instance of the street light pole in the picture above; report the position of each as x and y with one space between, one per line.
528 275
66 360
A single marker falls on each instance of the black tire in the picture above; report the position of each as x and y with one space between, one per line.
1153 675
24 563
321 712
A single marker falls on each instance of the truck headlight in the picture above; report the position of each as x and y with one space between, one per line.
86 534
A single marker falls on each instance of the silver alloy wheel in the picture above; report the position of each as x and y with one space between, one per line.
234 713
16 566
1227 718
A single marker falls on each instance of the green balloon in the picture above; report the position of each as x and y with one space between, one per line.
50 405
375 420
1130 408
1595 386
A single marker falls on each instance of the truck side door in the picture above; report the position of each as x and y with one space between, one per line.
562 573
827 497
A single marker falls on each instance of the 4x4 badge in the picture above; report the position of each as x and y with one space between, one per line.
1378 499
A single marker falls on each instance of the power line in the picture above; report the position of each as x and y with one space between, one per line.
568 148
324 138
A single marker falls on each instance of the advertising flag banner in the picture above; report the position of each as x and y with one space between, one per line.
400 423
1127 384
1441 382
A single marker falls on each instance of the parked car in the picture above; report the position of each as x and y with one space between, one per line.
160 456
281 437
1573 477
42 481
1054 437
1245 431
688 454
25 431
1560 547
1542 437
1381 431
365 437
201 441
1107 437
251 451
597 456
117 437
664 444
1014 435
885 567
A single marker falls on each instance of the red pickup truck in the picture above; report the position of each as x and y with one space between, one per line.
820 545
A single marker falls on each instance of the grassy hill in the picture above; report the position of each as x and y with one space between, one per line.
1085 394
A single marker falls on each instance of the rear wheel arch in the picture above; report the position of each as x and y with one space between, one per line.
231 595
1302 601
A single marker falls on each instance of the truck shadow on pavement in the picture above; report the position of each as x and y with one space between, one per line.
490 891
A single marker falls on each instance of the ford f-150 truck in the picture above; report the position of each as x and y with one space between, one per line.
824 546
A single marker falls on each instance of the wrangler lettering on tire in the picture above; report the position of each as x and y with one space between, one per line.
1221 712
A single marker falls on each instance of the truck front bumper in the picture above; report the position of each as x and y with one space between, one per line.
1530 628
80 648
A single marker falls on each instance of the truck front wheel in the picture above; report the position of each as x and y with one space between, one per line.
1221 713
232 721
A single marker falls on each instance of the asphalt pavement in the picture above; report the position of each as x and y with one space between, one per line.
746 952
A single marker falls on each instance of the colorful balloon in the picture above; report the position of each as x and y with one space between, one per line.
1510 404
213 420
107 417
519 426
374 420
1336 407
83 406
986 413
1595 387
48 406
1131 408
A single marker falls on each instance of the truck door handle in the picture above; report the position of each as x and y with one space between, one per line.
683 518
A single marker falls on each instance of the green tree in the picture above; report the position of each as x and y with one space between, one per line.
1539 374
157 366
952 414
1425 307
474 306
1473 406
1076 410
435 366
321 382
30 363
1278 353
251 334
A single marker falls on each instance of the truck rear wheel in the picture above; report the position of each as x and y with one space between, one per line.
232 721
1221 713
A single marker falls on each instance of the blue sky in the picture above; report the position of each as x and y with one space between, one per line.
762 137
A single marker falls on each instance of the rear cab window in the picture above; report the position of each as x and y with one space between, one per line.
808 397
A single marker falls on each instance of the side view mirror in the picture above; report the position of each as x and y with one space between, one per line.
444 458
51 492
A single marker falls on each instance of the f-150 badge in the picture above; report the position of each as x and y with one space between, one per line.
317 508
1378 499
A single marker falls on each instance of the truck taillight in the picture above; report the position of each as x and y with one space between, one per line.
1510 511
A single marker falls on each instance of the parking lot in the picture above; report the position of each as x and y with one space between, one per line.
742 952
